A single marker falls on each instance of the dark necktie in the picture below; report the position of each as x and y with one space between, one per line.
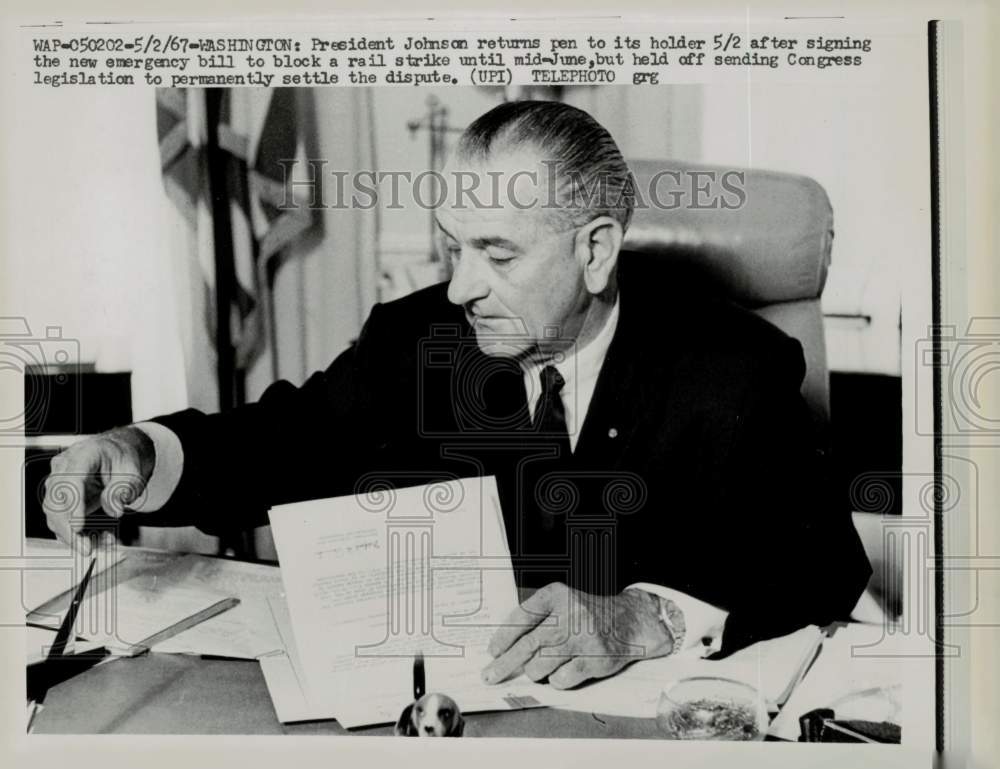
549 425
549 420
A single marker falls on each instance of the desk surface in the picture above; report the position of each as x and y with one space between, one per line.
175 694
180 694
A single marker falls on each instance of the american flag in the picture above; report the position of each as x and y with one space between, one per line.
224 157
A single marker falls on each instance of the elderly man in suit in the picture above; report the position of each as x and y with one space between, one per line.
657 471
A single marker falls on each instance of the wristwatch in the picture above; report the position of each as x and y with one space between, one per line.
673 618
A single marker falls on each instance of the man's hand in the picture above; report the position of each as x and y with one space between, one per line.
569 636
108 471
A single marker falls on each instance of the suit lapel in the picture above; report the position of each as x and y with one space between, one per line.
619 401
631 384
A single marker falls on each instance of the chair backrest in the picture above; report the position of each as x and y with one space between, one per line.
761 238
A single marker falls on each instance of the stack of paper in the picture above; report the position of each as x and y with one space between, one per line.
39 640
134 615
773 667
246 631
52 569
191 582
858 673
367 589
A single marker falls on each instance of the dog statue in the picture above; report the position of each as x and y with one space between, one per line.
433 715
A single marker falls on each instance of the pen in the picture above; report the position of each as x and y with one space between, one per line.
66 628
419 677
217 608
57 663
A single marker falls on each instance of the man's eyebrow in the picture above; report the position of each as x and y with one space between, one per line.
485 241
496 242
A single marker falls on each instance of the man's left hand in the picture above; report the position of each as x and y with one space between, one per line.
570 636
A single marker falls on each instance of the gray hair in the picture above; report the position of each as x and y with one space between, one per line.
591 176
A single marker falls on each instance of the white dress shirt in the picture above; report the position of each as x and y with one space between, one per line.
579 369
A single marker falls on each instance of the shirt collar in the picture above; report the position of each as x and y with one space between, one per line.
580 365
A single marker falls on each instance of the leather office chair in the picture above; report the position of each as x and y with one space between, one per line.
769 254
765 245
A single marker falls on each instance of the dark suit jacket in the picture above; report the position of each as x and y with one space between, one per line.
696 467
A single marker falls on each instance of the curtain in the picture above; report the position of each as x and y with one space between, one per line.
302 278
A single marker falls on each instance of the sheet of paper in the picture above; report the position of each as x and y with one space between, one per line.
246 631
133 611
39 640
286 681
769 666
848 678
129 563
372 580
286 692
283 673
54 569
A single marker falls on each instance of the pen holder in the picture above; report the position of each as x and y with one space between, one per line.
433 715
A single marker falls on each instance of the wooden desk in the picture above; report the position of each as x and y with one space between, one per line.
180 694
174 694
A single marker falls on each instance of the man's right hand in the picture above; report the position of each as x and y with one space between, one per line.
108 471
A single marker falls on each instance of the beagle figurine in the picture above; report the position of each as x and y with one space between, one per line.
433 715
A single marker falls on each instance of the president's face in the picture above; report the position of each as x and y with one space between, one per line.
517 272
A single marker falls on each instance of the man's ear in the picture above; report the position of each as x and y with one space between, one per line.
597 246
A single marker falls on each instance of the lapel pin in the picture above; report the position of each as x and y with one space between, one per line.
613 432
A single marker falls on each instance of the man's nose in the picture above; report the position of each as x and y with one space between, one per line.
468 280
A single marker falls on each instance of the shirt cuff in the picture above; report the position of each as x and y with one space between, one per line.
703 622
166 470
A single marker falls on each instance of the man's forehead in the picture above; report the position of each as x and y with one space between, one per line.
472 219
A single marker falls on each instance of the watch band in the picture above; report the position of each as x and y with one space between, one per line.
673 618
